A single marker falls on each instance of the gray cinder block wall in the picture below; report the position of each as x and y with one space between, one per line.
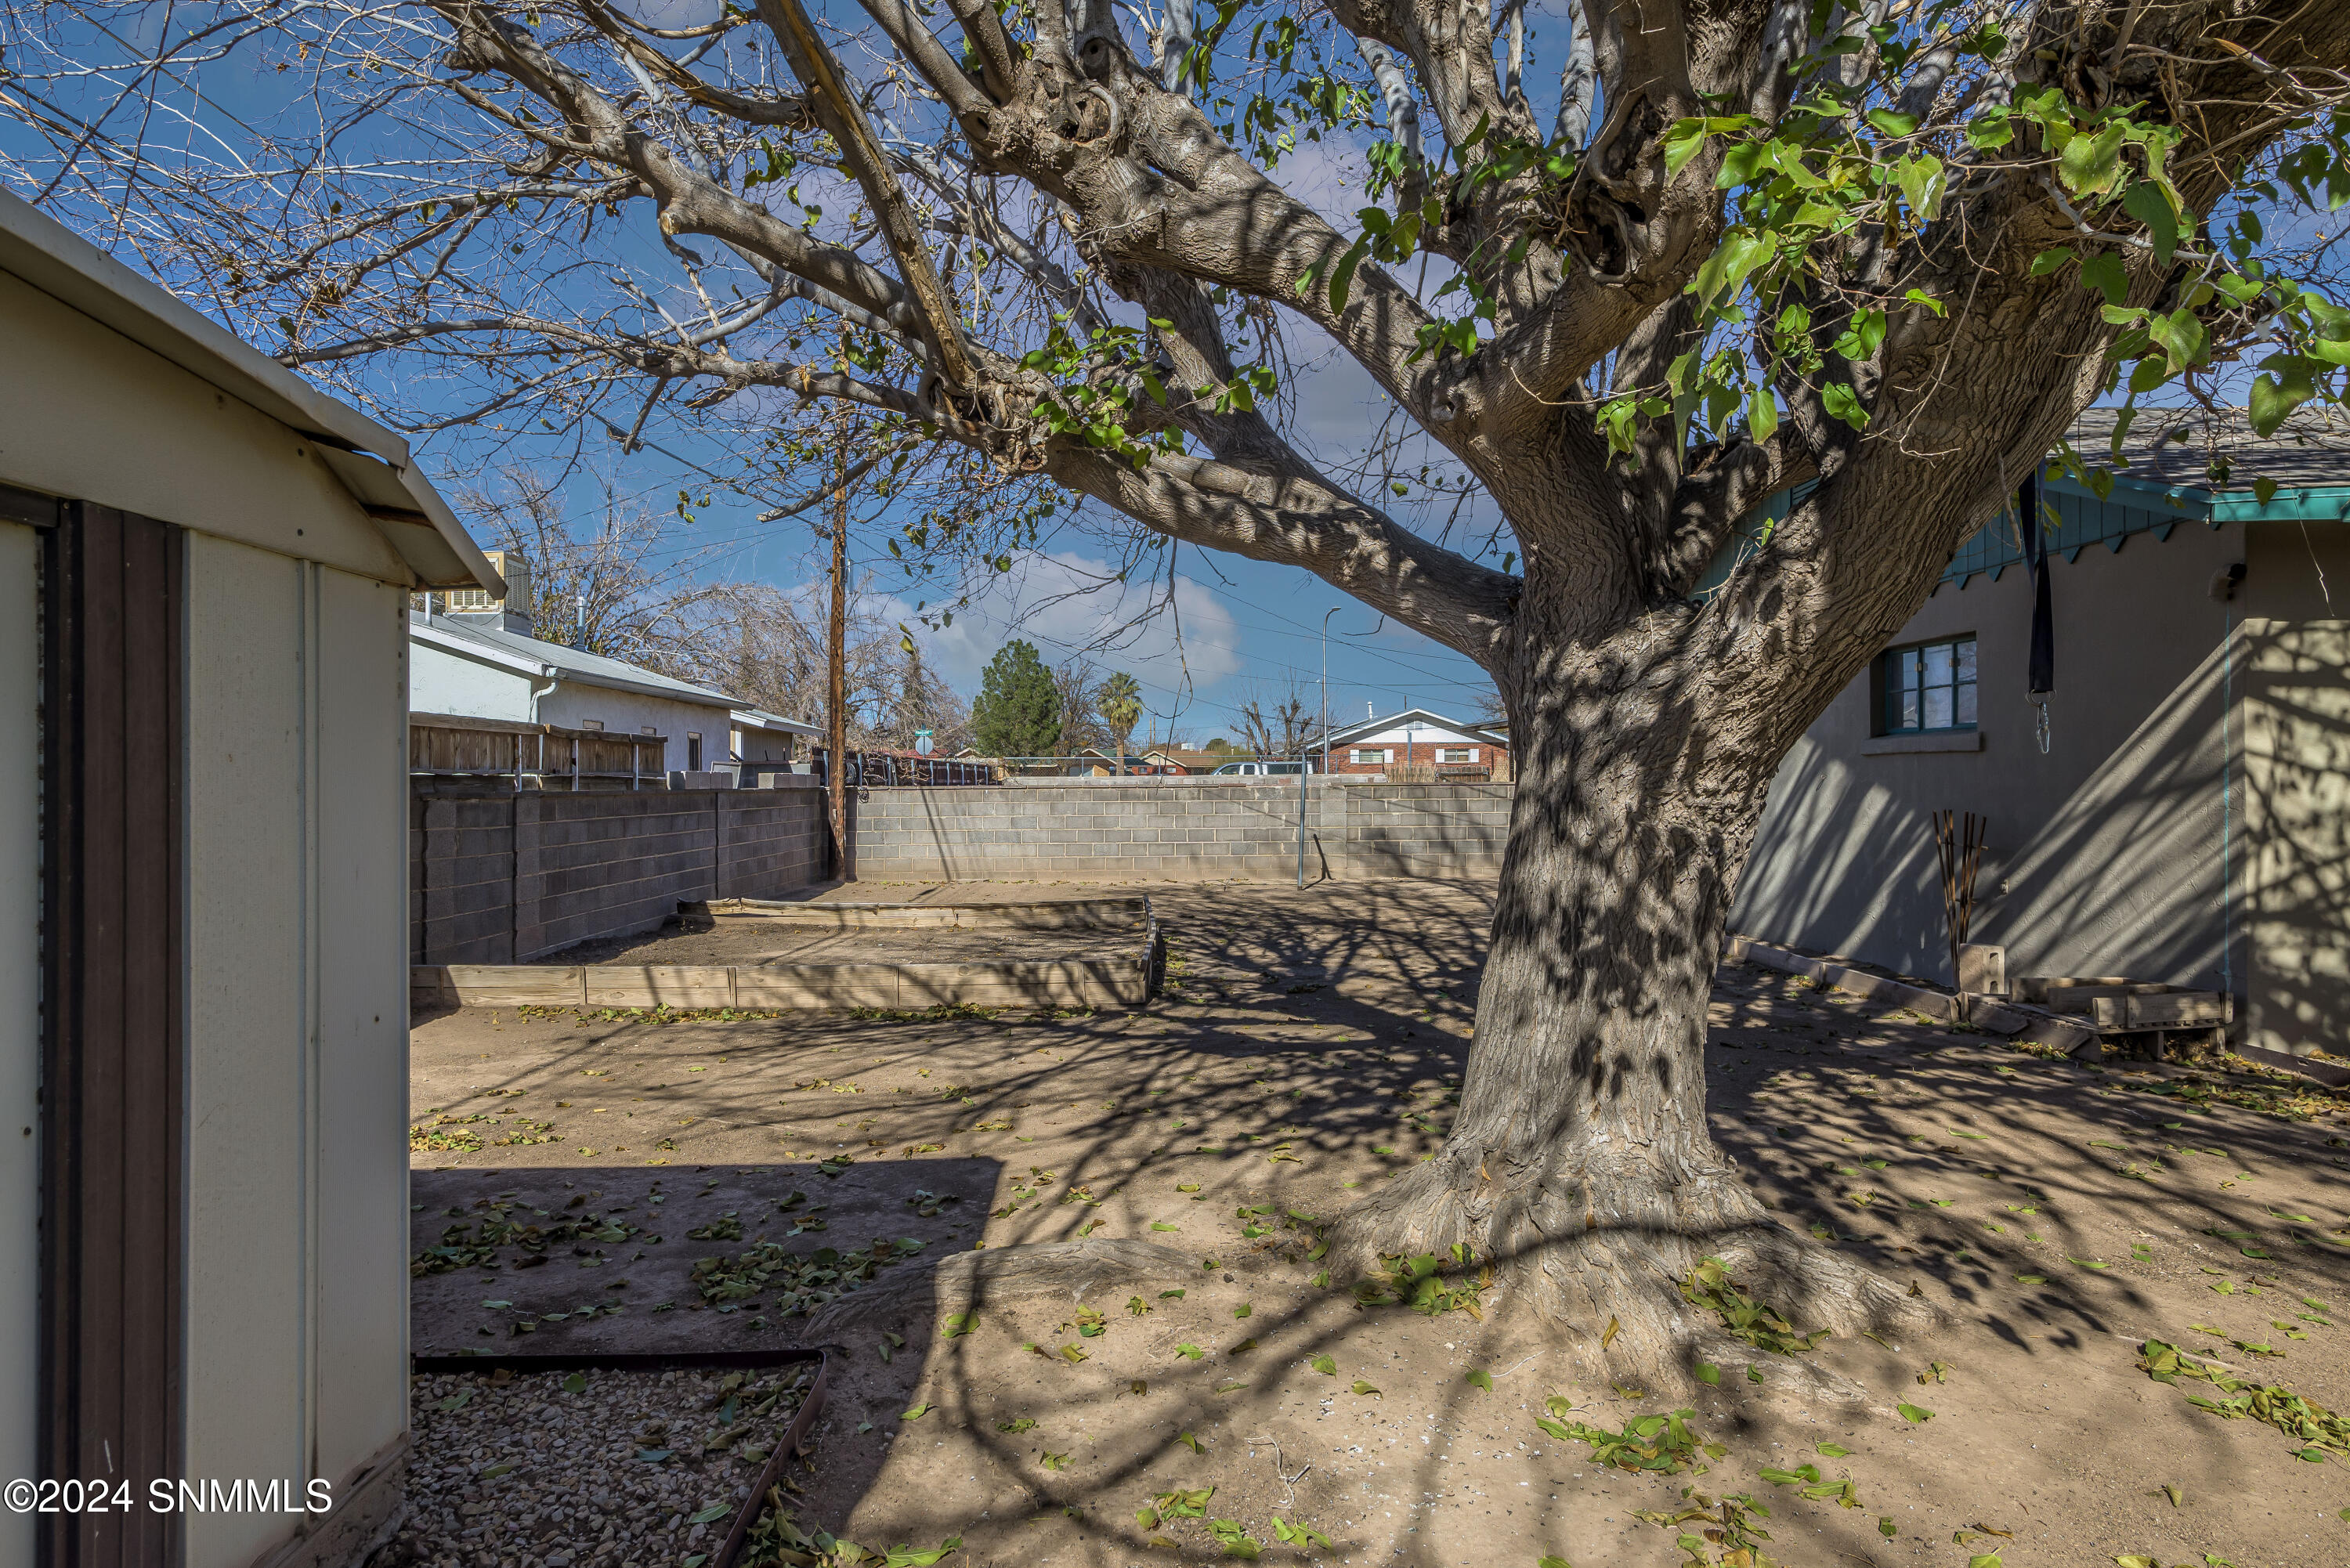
1181 831
505 876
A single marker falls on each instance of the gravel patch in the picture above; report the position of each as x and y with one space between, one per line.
587 1470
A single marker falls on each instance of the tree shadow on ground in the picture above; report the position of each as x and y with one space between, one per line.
1306 1051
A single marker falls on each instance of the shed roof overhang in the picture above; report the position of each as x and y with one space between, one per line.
373 463
760 718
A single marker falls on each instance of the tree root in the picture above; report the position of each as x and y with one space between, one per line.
965 1281
1601 1260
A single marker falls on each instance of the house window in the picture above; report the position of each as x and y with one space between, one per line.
1456 754
1929 686
1370 757
693 753
595 724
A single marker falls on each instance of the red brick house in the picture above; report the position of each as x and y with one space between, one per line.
1418 744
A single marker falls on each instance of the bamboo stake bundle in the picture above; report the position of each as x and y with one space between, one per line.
1959 844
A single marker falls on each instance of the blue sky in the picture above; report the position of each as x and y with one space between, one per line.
1240 629
1237 630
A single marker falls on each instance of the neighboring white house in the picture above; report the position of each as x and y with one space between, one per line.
1418 739
476 667
204 572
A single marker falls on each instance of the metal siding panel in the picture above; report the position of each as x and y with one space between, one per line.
99 868
248 1063
111 1171
362 1198
151 1081
20 1023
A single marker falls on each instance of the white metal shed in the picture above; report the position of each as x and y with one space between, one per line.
205 567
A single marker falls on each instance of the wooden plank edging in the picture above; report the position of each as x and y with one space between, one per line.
1115 979
1984 1013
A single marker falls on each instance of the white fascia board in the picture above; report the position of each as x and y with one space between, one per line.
480 653
760 718
374 463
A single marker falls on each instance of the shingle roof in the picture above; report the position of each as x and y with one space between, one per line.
1340 736
2190 450
589 669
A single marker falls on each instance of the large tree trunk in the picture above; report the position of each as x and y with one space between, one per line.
1579 1165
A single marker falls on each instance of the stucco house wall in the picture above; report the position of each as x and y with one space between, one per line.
2107 845
2187 824
455 681
2292 737
573 705
474 667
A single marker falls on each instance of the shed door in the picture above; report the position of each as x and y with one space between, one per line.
20 1014
112 596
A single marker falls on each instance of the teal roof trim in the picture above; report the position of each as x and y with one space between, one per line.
2167 482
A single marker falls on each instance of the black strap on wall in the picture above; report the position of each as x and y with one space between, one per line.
2042 679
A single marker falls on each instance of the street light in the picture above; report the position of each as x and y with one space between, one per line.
1325 685
1305 761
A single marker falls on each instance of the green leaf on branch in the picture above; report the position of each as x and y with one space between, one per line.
2151 204
2284 385
1922 181
2182 338
2091 165
1862 337
1342 276
1844 403
1682 140
1990 130
1724 271
2103 272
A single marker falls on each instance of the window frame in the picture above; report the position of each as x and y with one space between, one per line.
1884 691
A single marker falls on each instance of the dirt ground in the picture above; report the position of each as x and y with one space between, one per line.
1309 1047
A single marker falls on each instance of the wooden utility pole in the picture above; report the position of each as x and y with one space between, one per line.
837 705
